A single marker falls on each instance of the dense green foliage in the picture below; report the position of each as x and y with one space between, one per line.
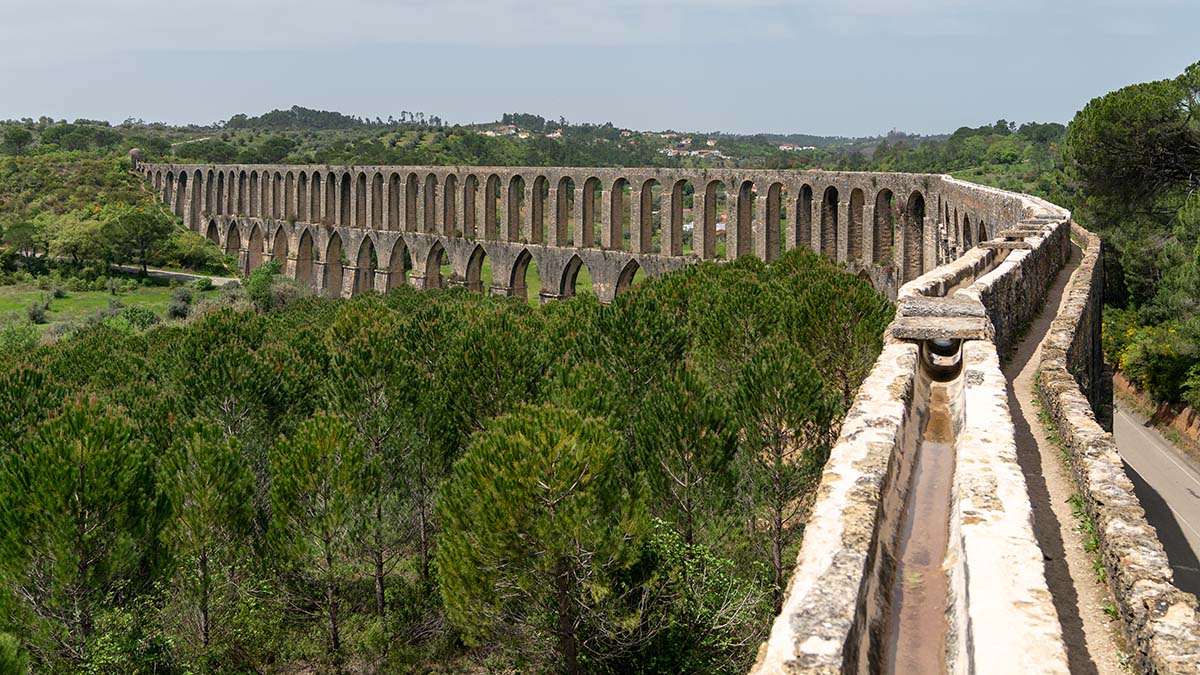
89 212
433 481
1137 155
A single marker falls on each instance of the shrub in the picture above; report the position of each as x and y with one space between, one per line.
178 309
1158 359
17 338
59 292
139 317
202 284
36 311
182 294
12 660
284 292
258 284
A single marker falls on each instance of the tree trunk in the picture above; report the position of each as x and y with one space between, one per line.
204 586
567 647
378 552
335 638
423 527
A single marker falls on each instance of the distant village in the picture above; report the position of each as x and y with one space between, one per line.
678 145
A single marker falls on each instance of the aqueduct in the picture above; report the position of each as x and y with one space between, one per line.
968 267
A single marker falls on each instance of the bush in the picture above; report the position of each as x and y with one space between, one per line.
182 294
36 311
12 660
1158 360
17 339
284 292
178 309
139 317
202 284
258 284
59 292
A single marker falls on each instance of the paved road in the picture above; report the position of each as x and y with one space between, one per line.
182 276
1168 485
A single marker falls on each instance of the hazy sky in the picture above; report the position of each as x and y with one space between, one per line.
840 67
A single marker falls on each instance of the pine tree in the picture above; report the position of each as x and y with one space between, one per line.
538 520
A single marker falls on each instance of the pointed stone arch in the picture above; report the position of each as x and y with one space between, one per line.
213 233
279 250
568 286
304 258
625 279
254 250
479 273
334 270
433 266
399 263
366 262
519 278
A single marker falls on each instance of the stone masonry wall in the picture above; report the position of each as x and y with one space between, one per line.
836 615
1161 623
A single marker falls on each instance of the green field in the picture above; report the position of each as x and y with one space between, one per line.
79 305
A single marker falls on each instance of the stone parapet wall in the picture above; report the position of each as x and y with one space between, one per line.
837 612
1012 293
837 605
1161 623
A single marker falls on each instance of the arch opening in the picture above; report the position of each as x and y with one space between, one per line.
491 208
883 228
829 223
398 265
433 266
648 229
804 209
393 202
469 217
429 207
344 201
630 276
854 229
715 221
331 204
365 265
212 233
591 209
334 267
376 221
914 237
564 211
254 253
774 223
619 232
302 200
479 271
516 208
577 278
537 211
526 282
304 259
450 226
743 234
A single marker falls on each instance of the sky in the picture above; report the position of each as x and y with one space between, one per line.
837 67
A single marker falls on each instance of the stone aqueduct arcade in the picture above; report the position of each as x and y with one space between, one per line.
347 230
